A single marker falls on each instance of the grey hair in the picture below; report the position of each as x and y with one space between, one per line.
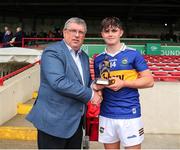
75 20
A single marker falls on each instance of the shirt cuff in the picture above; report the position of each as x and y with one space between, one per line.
92 84
92 96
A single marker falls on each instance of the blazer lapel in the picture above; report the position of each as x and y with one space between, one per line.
74 67
72 63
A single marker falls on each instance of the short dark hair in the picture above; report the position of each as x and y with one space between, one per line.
112 22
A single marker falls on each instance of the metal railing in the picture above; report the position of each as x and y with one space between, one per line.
2 79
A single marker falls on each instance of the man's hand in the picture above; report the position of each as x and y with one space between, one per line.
97 99
100 93
97 87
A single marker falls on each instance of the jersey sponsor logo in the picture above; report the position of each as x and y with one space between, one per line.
104 75
121 74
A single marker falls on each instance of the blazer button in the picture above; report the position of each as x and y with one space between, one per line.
81 109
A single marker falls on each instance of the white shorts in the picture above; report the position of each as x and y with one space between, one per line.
129 132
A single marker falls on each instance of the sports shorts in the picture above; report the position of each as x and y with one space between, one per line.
128 132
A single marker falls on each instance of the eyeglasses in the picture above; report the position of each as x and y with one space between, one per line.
75 32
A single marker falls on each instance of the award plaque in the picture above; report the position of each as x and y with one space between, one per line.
104 69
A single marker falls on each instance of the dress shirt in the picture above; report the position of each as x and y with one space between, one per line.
77 61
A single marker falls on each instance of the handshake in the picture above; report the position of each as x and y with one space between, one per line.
97 98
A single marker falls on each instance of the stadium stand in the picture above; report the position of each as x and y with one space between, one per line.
164 68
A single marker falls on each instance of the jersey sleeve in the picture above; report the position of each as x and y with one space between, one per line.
140 63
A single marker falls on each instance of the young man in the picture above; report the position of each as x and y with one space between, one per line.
64 90
120 116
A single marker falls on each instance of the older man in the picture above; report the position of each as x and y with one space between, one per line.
64 90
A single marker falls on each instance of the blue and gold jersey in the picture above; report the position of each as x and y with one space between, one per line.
125 64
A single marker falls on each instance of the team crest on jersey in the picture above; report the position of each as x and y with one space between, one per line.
124 61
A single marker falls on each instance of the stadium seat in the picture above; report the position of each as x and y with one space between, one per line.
160 73
160 64
169 79
175 73
176 60
154 60
156 78
150 64
168 68
178 69
91 66
93 76
173 64
154 68
166 78
92 70
166 60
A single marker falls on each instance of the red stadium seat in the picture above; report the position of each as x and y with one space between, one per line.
154 60
175 73
169 79
92 76
154 68
160 64
150 64
92 70
156 78
166 60
168 68
178 69
173 64
91 66
160 73
176 60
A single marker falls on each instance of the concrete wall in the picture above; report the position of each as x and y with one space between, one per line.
161 108
17 89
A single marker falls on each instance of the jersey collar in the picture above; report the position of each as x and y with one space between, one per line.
123 47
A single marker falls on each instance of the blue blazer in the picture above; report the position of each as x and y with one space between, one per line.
59 106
